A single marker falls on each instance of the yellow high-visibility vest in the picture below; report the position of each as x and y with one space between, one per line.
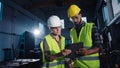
85 36
54 48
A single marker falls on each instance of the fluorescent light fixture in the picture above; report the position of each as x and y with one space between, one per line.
1 8
62 21
84 19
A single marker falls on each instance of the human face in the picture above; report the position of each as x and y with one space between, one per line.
56 30
77 19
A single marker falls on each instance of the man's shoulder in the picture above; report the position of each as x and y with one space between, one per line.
47 36
89 23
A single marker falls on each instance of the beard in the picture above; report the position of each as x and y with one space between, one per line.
77 25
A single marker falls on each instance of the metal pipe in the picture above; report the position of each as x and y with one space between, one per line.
115 19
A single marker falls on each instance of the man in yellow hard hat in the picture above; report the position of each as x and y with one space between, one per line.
53 45
87 33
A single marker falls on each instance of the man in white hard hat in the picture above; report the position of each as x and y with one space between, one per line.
53 45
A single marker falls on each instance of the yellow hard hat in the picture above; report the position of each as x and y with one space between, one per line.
73 10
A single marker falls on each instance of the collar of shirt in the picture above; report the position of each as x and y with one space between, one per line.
83 23
80 26
52 35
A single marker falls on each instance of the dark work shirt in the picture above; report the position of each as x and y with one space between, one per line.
95 34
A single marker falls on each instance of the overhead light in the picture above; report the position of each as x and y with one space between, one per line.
36 32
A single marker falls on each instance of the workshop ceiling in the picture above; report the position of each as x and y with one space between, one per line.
34 4
49 7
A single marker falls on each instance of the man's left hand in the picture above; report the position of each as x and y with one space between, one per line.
82 51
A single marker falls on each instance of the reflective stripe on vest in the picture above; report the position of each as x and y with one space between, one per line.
88 58
53 64
87 47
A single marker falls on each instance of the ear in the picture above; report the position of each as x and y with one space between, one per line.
80 14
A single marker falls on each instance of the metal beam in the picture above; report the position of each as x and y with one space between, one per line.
50 3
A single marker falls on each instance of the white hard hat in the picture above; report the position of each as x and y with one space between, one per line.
54 21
